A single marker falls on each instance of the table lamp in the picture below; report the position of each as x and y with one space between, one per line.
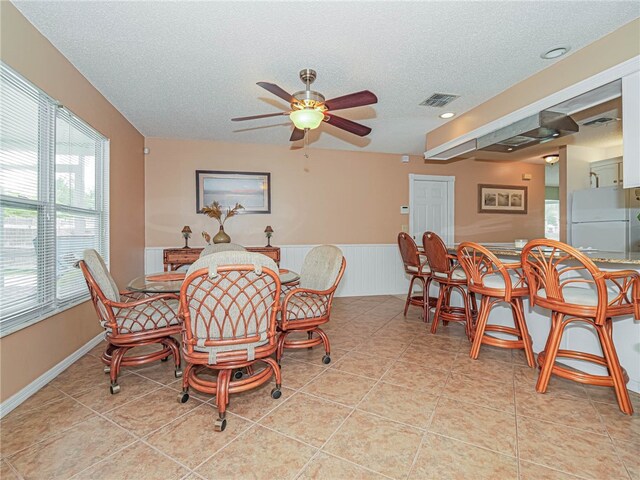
268 232
186 233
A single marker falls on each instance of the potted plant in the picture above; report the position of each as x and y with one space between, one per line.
216 211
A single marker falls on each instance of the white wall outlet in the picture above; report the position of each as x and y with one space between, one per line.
405 228
405 158
404 209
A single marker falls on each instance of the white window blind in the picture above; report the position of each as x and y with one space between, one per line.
53 203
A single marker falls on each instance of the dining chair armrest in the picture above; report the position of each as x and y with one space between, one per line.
133 299
625 280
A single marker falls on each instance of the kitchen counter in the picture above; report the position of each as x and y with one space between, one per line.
597 256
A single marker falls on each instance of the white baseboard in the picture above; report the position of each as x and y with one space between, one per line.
15 400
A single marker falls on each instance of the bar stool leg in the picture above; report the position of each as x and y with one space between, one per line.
613 364
550 353
425 299
406 304
467 312
481 324
436 315
518 308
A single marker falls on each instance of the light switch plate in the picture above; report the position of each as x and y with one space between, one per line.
404 209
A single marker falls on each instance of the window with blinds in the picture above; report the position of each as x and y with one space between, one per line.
53 203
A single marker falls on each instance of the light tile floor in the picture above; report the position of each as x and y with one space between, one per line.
395 402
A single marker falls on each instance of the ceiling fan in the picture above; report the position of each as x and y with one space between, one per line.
309 108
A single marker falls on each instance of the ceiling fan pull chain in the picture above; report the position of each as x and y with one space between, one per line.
306 143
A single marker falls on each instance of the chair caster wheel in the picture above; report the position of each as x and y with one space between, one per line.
178 373
220 424
164 359
237 375
183 397
106 369
326 359
114 388
276 393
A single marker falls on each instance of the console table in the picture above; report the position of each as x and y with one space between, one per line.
173 258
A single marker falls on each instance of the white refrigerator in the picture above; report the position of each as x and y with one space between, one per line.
605 219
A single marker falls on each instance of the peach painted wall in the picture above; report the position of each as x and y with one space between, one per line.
613 49
332 197
30 352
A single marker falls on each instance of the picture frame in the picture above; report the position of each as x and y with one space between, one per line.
250 189
502 199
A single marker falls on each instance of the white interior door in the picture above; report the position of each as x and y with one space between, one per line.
431 206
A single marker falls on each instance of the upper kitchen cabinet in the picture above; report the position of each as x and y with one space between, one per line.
631 129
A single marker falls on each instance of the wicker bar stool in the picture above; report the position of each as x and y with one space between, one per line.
419 271
497 282
446 271
569 284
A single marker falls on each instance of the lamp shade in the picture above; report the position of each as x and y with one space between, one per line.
186 229
268 229
306 118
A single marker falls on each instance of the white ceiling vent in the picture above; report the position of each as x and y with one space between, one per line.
439 100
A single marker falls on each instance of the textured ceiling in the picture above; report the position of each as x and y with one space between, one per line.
183 69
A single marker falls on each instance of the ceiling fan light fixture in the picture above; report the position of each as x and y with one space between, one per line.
307 118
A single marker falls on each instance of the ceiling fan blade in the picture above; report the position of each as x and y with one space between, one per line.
358 99
277 91
254 117
348 125
297 134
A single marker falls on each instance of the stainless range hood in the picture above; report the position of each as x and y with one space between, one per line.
539 128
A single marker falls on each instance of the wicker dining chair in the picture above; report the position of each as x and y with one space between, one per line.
567 282
446 271
419 271
308 306
130 319
498 283
229 302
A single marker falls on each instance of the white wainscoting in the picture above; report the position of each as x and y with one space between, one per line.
372 269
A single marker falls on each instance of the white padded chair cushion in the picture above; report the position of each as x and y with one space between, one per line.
321 267
581 296
425 269
101 274
147 317
221 247
497 281
457 274
225 305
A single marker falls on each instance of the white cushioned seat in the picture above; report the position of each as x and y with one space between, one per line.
497 281
581 295
457 274
424 269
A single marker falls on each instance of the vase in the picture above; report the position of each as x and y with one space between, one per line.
221 236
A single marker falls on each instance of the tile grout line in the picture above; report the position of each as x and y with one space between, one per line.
354 408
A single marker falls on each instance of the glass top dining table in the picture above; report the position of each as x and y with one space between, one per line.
170 282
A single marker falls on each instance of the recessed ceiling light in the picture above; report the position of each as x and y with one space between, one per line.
447 115
555 53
